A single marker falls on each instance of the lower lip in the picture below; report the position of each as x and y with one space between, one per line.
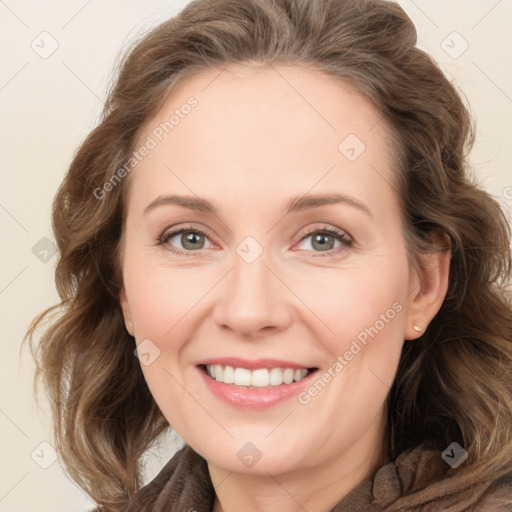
247 398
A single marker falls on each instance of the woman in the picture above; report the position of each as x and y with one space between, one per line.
271 244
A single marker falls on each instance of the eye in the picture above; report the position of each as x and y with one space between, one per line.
325 239
188 239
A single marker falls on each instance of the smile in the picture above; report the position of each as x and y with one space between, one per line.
259 378
254 385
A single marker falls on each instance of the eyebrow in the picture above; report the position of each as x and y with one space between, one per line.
295 204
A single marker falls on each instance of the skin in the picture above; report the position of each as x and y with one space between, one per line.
257 137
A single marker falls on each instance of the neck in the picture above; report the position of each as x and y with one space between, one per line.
317 488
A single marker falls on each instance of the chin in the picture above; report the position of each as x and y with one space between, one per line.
254 458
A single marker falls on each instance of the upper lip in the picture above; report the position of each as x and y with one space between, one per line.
254 364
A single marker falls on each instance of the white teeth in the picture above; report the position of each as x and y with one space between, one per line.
299 374
242 377
262 377
276 376
217 372
288 376
229 375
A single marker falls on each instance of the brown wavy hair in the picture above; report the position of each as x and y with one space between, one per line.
454 384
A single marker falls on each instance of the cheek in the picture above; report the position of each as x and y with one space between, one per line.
167 306
359 303
161 297
366 310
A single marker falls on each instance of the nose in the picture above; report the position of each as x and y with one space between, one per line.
253 300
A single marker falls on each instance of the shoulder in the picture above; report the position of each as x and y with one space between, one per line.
184 477
424 482
183 483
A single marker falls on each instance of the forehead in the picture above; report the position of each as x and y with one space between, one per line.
264 126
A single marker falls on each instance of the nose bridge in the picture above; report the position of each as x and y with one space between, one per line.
252 297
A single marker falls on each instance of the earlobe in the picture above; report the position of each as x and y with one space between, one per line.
427 291
127 315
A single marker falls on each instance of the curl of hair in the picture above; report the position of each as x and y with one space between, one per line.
452 385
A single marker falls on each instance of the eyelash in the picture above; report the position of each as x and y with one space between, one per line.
338 235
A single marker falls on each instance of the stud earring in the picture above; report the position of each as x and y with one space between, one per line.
416 328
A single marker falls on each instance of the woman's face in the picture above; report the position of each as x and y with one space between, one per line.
269 279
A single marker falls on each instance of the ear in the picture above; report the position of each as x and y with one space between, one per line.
427 287
125 307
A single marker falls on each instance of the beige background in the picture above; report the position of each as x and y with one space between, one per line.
48 105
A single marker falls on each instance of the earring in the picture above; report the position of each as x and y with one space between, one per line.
416 328
131 323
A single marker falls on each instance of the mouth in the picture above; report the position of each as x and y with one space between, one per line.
257 378
254 385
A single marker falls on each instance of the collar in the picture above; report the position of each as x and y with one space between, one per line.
417 480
